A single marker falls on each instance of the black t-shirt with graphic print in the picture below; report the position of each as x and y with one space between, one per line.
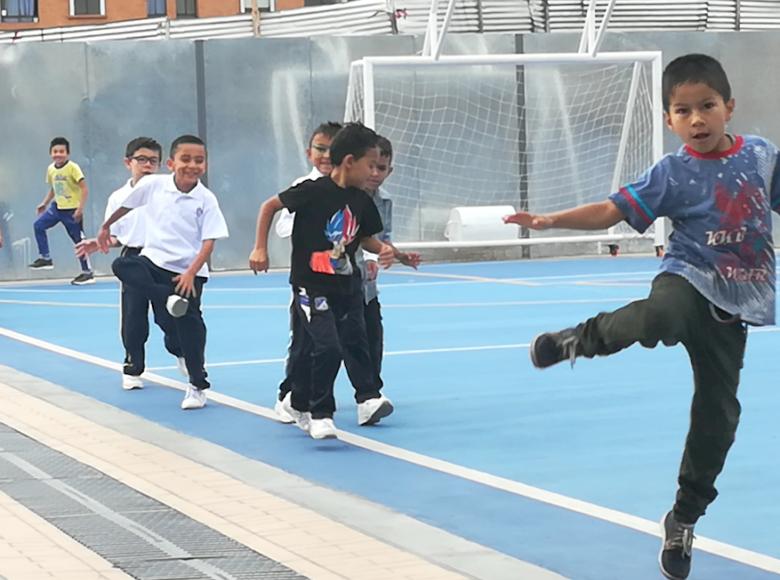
329 223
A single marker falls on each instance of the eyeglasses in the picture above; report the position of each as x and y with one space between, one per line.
320 148
141 159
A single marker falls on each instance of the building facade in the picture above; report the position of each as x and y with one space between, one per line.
23 14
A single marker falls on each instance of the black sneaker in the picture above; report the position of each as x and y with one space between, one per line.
676 546
42 264
550 348
83 279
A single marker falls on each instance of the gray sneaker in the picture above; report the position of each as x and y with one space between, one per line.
42 264
83 279
676 547
550 348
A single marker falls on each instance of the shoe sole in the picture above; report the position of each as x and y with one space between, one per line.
532 352
192 407
133 388
321 437
384 410
42 268
661 552
84 283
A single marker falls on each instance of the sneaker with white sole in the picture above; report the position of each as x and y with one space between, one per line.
194 398
177 305
300 418
370 412
42 264
181 364
281 412
676 547
322 429
83 279
130 382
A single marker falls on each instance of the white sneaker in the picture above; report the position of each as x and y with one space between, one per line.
322 429
177 305
371 411
193 398
303 421
129 382
182 366
281 411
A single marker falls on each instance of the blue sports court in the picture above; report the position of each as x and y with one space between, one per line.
566 469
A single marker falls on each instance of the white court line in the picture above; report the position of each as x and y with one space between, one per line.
715 547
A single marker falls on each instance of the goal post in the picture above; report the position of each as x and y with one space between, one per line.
535 132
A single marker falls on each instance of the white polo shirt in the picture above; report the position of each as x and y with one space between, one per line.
131 229
284 225
177 223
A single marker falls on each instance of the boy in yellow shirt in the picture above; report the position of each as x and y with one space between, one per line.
68 189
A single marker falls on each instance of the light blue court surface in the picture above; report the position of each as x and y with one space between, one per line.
608 433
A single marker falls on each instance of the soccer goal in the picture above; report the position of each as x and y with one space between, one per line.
478 135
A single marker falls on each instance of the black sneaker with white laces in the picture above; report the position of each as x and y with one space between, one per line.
83 279
550 348
42 264
676 547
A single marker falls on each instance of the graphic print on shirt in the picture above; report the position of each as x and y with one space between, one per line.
750 261
340 230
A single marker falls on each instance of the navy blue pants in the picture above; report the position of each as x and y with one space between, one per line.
156 284
334 330
134 325
50 218
294 357
375 333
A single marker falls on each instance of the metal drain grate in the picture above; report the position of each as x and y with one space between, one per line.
143 537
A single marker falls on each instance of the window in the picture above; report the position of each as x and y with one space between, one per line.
156 8
87 8
262 5
186 9
19 10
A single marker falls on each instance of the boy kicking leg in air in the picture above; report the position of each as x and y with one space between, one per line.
717 275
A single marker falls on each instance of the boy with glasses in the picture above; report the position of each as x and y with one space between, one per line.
142 157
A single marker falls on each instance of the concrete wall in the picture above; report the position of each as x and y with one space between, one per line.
255 101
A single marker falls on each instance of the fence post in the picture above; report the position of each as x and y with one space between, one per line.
738 16
255 19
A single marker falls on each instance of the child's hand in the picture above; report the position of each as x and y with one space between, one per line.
185 284
86 247
529 220
386 256
372 270
258 261
411 259
78 214
40 208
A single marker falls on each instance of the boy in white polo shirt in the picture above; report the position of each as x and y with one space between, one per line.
183 222
142 158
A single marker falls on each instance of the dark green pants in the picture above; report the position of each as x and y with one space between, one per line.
674 313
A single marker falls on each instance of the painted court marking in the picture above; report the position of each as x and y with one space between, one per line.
751 558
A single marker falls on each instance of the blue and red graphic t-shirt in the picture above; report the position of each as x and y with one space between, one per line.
720 205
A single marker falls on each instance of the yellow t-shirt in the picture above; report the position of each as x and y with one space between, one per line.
65 183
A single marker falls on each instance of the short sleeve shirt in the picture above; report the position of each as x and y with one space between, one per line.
64 181
177 223
330 221
129 230
720 205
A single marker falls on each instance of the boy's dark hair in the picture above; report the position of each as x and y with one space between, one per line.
142 143
695 68
185 140
328 128
354 139
385 147
60 141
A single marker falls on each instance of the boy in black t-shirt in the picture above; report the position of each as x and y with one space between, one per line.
333 216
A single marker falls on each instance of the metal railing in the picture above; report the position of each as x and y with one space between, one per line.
377 17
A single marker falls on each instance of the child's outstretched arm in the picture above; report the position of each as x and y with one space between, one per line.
258 259
591 216
104 233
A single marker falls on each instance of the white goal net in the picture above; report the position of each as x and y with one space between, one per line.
526 131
